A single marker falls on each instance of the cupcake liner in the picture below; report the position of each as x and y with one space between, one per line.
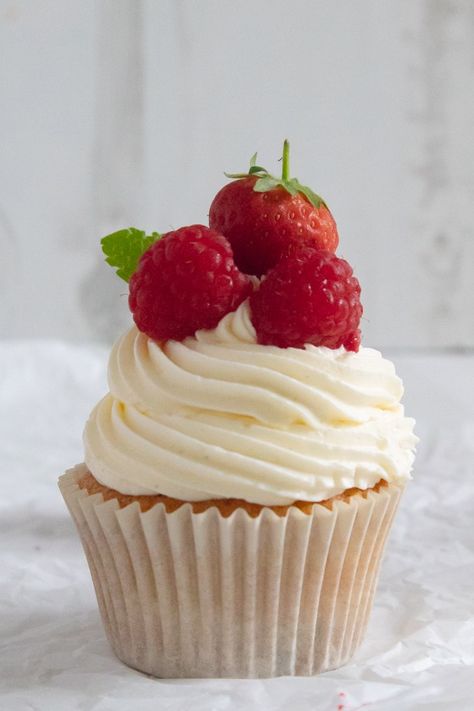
188 594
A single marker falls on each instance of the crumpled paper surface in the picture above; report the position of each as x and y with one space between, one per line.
419 648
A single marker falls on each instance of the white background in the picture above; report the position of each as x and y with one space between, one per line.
126 112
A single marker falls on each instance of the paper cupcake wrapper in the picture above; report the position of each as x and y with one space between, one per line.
199 595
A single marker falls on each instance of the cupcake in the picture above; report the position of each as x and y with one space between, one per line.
241 475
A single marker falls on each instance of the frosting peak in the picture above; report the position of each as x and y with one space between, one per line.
220 416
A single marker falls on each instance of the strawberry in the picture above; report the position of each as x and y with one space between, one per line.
262 215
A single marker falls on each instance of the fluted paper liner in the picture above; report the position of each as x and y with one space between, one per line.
188 594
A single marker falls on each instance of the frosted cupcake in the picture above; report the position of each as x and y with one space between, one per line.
241 475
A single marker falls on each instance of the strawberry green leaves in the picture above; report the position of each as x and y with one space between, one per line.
314 199
266 182
124 248
254 168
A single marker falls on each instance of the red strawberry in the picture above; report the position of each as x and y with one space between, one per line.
260 215
311 296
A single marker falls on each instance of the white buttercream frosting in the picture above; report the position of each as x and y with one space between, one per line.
220 416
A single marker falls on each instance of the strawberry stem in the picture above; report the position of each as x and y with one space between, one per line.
285 168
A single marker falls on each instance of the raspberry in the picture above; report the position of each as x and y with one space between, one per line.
311 296
185 281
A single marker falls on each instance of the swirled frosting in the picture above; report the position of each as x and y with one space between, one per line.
220 416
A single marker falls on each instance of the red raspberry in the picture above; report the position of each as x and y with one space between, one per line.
259 225
311 296
185 281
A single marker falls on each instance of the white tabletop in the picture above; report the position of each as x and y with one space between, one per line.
419 649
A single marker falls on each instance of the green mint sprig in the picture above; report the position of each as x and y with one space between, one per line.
267 182
124 248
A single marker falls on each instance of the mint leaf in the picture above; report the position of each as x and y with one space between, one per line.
253 160
124 248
